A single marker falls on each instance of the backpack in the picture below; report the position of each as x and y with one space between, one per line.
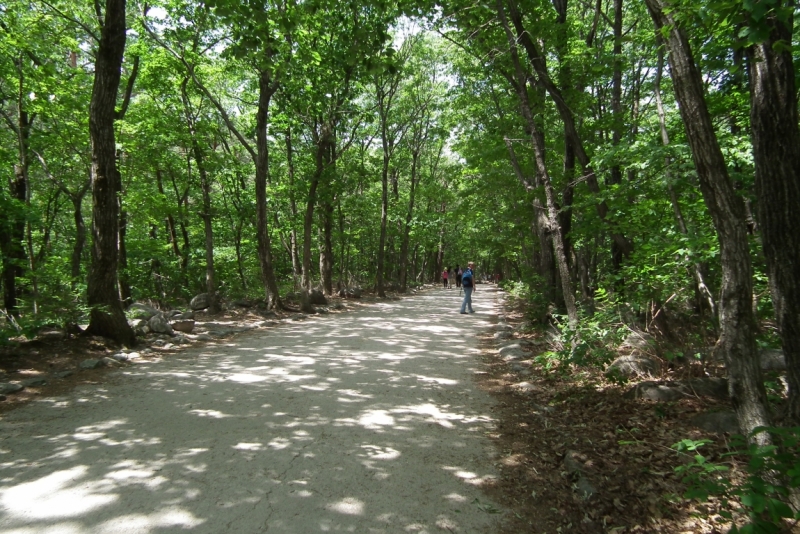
466 278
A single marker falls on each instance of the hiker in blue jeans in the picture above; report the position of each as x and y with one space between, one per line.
468 283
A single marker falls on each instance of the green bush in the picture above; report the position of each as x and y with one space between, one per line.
762 496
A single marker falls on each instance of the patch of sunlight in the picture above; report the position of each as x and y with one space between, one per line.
442 381
60 528
246 378
174 518
53 496
455 497
242 446
216 414
303 493
381 453
147 477
301 360
183 453
280 443
316 387
375 419
348 505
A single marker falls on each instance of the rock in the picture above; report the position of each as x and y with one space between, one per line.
182 340
203 337
338 306
242 303
138 310
714 387
574 463
640 341
91 364
298 317
502 335
158 343
138 324
34 382
519 368
773 360
655 391
504 326
341 293
7 387
121 357
110 362
634 365
354 293
133 355
168 346
185 316
512 352
317 297
159 324
63 374
200 302
723 422
526 387
322 309
183 326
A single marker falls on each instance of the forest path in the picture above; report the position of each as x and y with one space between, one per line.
366 422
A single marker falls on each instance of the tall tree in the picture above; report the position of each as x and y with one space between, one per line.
107 317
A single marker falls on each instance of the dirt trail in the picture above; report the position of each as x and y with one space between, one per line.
363 422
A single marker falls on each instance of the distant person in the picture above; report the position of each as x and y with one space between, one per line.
444 278
459 274
468 283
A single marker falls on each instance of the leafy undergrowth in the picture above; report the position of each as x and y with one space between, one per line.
624 446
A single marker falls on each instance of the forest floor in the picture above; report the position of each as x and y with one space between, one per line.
393 415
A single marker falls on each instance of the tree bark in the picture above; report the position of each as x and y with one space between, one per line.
266 88
776 151
106 317
537 140
737 340
296 269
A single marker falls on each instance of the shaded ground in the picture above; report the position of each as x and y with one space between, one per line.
622 445
367 421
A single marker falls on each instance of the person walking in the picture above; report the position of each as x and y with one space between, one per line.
459 274
444 278
468 284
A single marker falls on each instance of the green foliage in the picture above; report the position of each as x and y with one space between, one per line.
761 494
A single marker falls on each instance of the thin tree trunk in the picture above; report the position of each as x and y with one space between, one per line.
737 341
296 268
697 272
205 187
106 317
776 151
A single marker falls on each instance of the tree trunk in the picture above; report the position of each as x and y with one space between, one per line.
776 151
80 239
326 247
296 269
737 340
124 283
266 88
205 187
384 218
407 224
106 317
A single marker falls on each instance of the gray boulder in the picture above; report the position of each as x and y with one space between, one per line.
138 310
655 391
110 362
159 324
63 374
722 422
34 382
503 334
639 341
200 302
773 360
7 387
315 296
713 387
354 293
512 352
183 326
634 365
91 364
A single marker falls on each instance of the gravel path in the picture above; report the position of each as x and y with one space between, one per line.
365 422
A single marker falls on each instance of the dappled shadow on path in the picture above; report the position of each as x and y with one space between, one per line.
362 422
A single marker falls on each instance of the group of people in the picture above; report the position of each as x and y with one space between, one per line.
465 279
